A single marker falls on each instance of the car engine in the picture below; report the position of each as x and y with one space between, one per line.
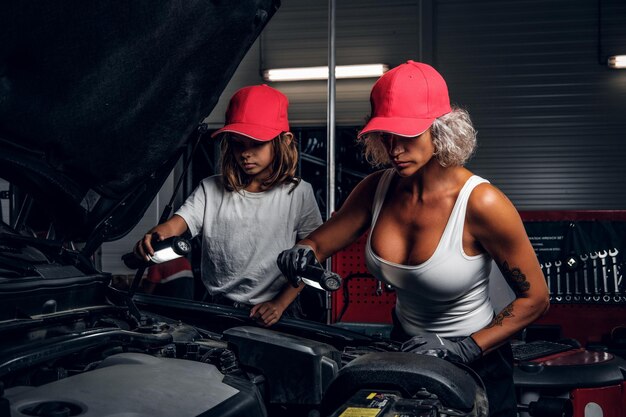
97 362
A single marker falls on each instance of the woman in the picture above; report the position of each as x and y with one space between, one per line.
434 229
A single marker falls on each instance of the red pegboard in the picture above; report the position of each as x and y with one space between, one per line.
368 300
585 322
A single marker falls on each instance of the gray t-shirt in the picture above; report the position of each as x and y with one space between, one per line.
243 233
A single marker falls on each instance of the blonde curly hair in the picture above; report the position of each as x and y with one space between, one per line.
453 135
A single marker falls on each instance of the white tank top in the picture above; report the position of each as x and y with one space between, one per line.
447 294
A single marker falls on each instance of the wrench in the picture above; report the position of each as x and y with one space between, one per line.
596 286
573 267
584 258
605 279
559 291
576 275
548 265
613 254
570 263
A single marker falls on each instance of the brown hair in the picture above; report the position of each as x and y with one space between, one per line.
283 166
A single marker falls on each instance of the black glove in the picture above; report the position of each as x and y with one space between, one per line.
293 262
464 351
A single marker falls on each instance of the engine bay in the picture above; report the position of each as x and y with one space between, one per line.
100 361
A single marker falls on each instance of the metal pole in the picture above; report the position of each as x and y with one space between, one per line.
330 130
330 191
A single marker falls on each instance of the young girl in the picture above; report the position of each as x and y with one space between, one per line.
251 212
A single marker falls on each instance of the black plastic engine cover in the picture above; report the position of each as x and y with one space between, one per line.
297 370
408 373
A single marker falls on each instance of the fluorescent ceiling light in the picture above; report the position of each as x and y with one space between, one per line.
617 61
321 73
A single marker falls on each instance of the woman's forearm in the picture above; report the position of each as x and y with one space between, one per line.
512 319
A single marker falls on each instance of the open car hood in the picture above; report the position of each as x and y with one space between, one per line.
99 99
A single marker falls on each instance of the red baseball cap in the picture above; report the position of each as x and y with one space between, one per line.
407 99
258 112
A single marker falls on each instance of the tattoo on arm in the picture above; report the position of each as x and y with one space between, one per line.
515 278
505 313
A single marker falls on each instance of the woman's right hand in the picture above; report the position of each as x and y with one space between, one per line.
292 262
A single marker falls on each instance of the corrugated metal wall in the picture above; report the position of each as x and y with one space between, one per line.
551 118
367 31
299 38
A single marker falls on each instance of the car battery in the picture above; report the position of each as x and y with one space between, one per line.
374 403
592 380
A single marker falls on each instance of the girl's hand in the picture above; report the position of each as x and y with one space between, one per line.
175 226
267 313
143 248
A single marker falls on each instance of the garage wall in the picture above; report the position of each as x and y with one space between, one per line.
550 115
367 31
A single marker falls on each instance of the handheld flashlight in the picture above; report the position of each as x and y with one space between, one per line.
170 248
320 278
164 250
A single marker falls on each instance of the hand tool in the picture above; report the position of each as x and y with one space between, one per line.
605 278
570 266
548 265
559 291
616 290
586 295
596 286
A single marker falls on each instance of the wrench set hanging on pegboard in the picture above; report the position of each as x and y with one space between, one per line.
583 261
594 277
